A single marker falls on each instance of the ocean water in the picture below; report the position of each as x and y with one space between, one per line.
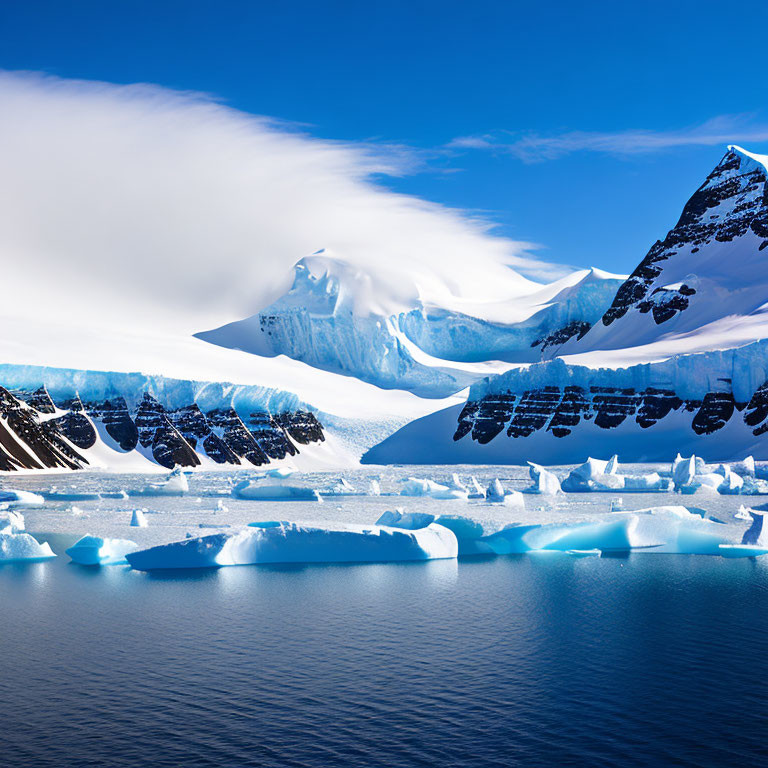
539 659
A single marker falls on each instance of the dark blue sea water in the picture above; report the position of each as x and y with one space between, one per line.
529 660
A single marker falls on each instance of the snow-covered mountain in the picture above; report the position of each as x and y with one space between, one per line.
354 362
385 329
678 361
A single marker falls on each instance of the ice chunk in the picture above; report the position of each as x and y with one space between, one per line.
579 479
94 550
745 468
293 543
649 482
475 489
11 522
408 520
754 486
743 514
175 485
274 492
415 486
138 520
544 482
341 487
683 471
280 472
16 498
221 507
374 489
495 491
21 546
731 484
486 537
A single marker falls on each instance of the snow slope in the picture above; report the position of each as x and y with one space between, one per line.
395 333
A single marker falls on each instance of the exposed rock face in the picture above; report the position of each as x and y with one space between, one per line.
37 438
271 436
117 421
576 328
236 436
75 425
26 442
731 202
559 410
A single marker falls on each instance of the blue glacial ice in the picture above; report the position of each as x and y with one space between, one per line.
94 550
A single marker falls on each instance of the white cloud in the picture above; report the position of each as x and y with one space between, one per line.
135 202
536 147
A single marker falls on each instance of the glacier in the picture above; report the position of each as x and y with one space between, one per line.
431 350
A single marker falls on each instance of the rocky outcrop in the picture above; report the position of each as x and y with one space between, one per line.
559 410
60 434
729 204
28 442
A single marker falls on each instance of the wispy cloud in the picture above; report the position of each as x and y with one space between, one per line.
537 147
137 201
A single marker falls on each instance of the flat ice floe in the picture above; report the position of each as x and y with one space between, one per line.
293 543
274 491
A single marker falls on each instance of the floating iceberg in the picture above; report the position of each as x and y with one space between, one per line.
138 520
256 491
11 522
544 481
15 498
15 547
293 543
94 550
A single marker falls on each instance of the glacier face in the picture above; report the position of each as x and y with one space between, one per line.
329 320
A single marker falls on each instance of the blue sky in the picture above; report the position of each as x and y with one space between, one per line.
581 127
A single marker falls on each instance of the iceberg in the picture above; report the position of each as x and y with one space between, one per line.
175 485
544 482
374 489
294 543
497 494
11 522
94 550
138 520
16 547
415 486
581 478
754 486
